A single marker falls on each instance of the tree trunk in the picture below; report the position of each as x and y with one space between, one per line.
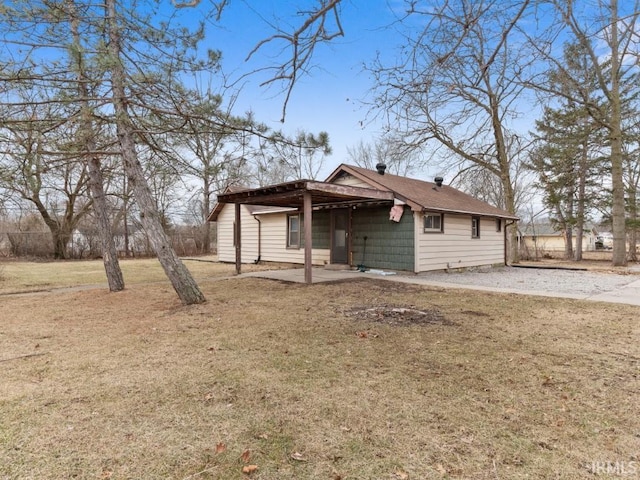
619 257
109 252
581 200
568 242
60 243
505 177
577 253
125 219
112 269
206 234
58 238
566 220
180 277
633 230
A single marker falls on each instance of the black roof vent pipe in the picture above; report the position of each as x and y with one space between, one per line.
381 167
438 181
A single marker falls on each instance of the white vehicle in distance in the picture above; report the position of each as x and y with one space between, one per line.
604 241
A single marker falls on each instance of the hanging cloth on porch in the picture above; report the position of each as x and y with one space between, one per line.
396 213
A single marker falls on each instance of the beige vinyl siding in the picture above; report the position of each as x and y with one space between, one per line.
455 248
351 181
556 243
226 249
546 242
274 242
273 239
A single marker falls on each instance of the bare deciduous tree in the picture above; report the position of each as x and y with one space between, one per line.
390 151
320 24
36 166
608 32
279 158
209 148
456 89
631 169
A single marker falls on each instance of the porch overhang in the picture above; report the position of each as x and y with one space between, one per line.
291 194
301 194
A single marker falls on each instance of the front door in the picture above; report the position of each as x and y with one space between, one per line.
340 236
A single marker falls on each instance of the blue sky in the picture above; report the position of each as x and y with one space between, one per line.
330 98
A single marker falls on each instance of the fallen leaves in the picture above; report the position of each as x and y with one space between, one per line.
366 334
220 447
246 456
249 469
298 457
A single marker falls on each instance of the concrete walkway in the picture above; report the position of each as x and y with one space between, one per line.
629 294
626 294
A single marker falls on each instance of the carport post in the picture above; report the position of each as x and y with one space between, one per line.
237 237
307 236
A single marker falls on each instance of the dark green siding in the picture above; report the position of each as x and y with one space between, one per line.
320 233
390 245
320 230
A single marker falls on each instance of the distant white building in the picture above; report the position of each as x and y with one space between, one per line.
545 237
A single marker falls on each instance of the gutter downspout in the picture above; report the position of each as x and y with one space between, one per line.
257 260
504 234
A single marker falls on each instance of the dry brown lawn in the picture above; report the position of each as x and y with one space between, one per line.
364 379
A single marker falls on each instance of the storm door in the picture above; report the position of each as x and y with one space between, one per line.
340 236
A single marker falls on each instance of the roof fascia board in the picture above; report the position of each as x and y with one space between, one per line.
469 212
276 210
350 191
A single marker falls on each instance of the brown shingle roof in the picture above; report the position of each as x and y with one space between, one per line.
421 195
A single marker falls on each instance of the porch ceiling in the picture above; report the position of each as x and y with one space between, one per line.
291 194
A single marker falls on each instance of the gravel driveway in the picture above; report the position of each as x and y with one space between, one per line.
537 279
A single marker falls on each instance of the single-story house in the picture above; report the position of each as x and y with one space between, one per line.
361 218
541 237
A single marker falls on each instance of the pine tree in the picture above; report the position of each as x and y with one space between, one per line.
567 162
568 158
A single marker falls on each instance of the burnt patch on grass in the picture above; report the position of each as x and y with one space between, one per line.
398 315
473 313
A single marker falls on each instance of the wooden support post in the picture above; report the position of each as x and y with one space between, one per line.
308 227
238 237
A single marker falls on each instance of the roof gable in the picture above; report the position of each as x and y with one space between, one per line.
421 195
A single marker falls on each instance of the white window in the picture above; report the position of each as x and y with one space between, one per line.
294 231
475 227
433 223
498 224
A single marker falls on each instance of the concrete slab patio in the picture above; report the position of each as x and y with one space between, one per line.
629 293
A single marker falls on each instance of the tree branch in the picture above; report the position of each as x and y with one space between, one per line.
23 356
302 42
